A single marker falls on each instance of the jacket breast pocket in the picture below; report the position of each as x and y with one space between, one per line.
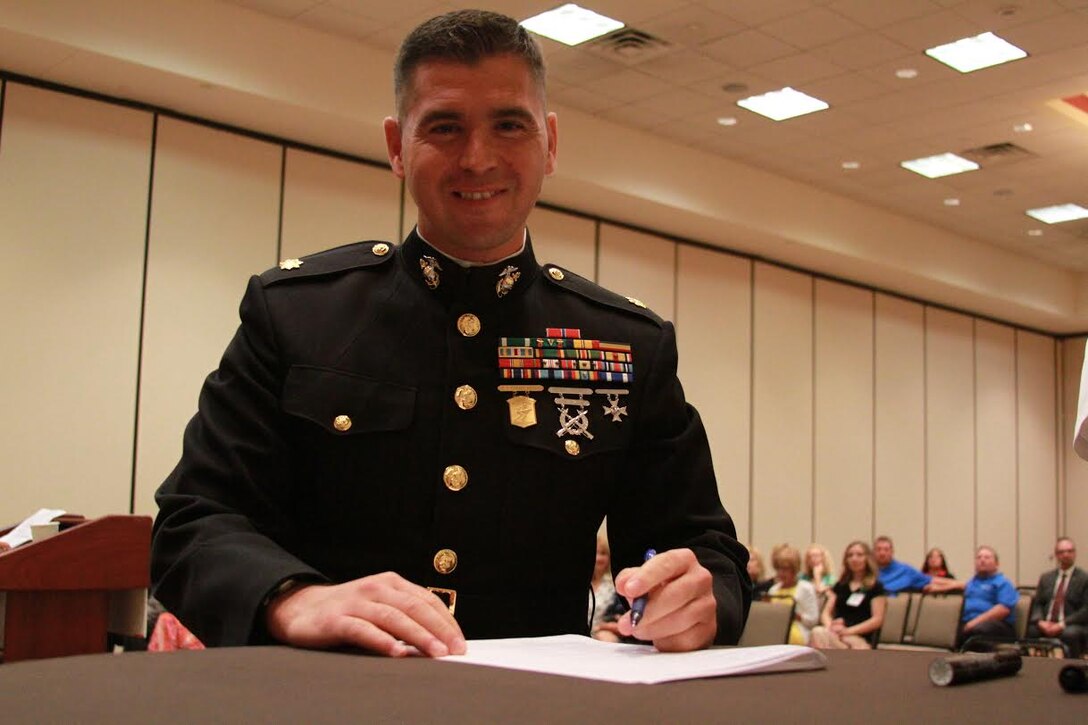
347 404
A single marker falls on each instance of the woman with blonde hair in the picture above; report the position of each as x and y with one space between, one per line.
757 573
817 568
854 612
786 561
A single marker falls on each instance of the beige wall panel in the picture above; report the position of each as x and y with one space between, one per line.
714 336
1074 503
214 220
843 491
564 239
329 201
638 265
995 421
1037 450
73 208
950 439
899 490
781 408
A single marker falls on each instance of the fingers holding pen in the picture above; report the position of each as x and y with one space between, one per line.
680 611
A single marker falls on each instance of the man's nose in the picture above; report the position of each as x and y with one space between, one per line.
478 153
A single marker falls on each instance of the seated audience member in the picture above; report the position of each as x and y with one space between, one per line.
786 561
818 570
854 612
758 574
989 600
899 577
936 565
1060 607
605 605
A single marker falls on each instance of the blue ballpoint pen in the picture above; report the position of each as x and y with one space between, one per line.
639 605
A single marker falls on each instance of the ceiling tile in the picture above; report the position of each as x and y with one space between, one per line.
797 70
861 50
812 28
1057 32
878 14
685 67
690 26
756 12
683 103
627 85
933 29
747 48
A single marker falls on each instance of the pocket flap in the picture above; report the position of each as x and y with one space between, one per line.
345 403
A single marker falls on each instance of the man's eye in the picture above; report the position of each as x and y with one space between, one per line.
509 126
444 129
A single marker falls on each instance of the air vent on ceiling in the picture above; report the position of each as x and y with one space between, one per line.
629 46
997 154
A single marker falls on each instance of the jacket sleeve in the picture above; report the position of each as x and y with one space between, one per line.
220 539
1079 616
668 497
1040 603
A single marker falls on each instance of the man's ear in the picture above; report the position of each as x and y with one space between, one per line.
393 145
551 122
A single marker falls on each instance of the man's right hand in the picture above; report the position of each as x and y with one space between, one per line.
383 613
1049 629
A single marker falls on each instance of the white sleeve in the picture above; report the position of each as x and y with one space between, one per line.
1080 441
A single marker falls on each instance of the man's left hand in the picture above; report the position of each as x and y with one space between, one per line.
681 613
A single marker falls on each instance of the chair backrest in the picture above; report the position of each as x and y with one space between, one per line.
895 619
768 623
938 620
1023 613
914 607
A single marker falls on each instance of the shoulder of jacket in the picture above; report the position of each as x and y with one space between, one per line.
568 281
359 255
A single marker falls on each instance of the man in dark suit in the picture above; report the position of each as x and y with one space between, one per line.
446 418
1060 606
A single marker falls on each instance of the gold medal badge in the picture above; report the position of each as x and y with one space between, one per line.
522 407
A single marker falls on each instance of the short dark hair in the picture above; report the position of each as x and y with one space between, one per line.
464 36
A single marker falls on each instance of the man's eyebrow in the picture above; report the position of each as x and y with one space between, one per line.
440 115
514 112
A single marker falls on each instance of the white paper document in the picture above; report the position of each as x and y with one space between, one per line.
573 655
21 533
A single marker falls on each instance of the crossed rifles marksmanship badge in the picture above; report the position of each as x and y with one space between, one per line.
563 355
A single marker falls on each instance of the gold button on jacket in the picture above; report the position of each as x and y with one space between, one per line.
465 397
468 325
455 477
445 561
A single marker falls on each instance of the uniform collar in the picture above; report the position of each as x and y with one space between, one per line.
446 279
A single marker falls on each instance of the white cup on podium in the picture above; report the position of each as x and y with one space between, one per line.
41 532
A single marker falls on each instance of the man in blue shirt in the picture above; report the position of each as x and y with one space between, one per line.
895 575
989 600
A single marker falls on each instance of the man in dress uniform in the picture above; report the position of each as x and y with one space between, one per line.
406 446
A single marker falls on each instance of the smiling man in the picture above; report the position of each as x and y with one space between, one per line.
410 446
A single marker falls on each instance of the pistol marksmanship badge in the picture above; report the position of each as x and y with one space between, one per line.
614 408
431 268
507 278
522 407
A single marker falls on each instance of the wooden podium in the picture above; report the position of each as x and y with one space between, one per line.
58 590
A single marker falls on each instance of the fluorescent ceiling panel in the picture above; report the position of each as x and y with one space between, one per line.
1058 214
570 24
934 167
782 104
981 51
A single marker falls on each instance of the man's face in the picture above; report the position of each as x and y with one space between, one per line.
883 551
985 562
474 147
1066 554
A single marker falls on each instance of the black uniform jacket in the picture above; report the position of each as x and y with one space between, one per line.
326 445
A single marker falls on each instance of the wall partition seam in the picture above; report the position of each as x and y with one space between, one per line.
1059 417
143 313
1016 455
283 188
925 426
872 458
974 432
596 250
813 321
751 400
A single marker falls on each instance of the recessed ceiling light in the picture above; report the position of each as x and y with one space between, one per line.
570 24
1035 232
981 51
934 167
1059 213
906 73
782 104
851 165
952 201
727 121
1023 128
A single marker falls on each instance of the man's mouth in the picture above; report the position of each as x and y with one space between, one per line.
477 195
